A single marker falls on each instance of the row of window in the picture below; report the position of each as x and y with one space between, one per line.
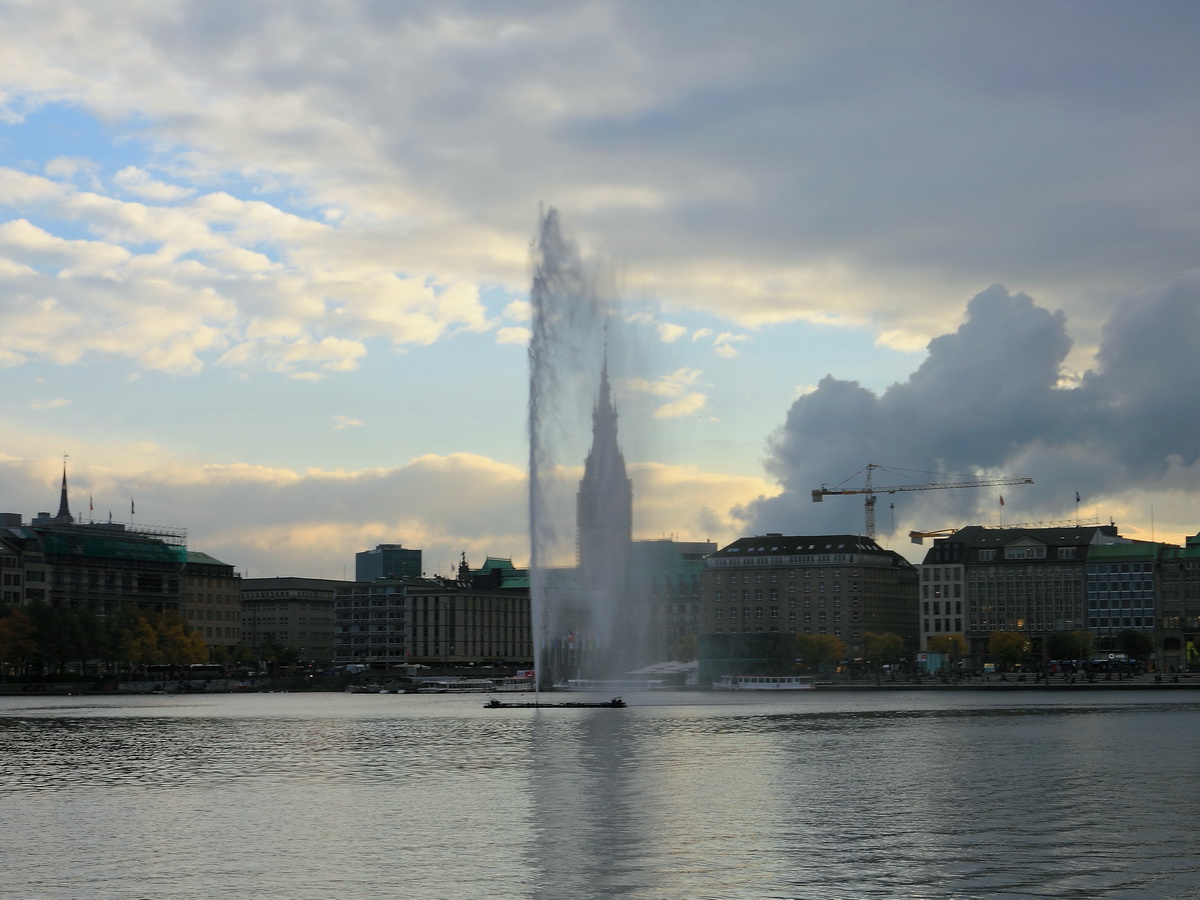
772 577
943 626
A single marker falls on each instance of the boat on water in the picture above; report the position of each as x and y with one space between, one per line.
763 683
614 703
454 686
512 685
369 688
613 684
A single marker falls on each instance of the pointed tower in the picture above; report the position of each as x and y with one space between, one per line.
64 516
604 505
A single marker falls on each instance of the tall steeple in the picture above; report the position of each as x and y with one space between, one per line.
64 516
604 504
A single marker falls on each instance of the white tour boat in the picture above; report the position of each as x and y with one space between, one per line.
764 683
613 684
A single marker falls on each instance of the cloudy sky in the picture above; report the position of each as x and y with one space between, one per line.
264 267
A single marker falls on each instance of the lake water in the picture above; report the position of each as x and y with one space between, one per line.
811 795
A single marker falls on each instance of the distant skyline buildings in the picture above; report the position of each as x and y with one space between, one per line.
387 561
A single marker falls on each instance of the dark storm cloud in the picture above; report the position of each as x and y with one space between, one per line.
988 402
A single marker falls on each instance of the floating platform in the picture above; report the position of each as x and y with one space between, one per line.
614 703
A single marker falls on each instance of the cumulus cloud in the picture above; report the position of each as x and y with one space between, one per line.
142 183
988 402
210 279
764 168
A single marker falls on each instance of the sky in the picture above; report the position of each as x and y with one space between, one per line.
264 268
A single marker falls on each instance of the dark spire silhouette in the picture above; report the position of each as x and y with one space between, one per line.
604 504
64 516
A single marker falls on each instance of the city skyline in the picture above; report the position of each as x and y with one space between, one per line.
266 276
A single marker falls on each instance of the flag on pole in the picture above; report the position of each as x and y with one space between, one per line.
1001 499
1077 496
91 506
131 506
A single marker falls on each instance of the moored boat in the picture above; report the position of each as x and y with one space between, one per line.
763 683
612 684
454 685
509 685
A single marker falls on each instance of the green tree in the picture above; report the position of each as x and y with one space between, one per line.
52 636
882 649
17 641
177 643
819 649
1007 647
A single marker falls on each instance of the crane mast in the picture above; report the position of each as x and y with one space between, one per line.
871 490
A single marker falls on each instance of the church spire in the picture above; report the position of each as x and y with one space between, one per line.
64 516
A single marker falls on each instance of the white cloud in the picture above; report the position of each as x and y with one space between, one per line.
68 167
682 406
669 334
677 386
725 344
314 183
518 336
345 422
138 181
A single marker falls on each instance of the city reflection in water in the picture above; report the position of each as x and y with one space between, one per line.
678 796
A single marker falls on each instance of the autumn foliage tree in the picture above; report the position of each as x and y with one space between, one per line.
1007 647
162 638
818 649
47 640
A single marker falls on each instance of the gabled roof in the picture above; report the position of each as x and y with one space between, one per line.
196 556
775 544
980 537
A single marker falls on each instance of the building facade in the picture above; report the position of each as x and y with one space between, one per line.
290 614
1178 621
387 561
665 578
435 622
210 600
840 585
98 567
1035 581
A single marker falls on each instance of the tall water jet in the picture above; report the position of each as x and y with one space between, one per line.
581 626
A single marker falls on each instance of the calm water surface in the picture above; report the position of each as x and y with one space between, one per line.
815 795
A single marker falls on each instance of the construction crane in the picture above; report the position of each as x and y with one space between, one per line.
871 490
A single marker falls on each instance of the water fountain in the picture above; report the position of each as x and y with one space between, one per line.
579 624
